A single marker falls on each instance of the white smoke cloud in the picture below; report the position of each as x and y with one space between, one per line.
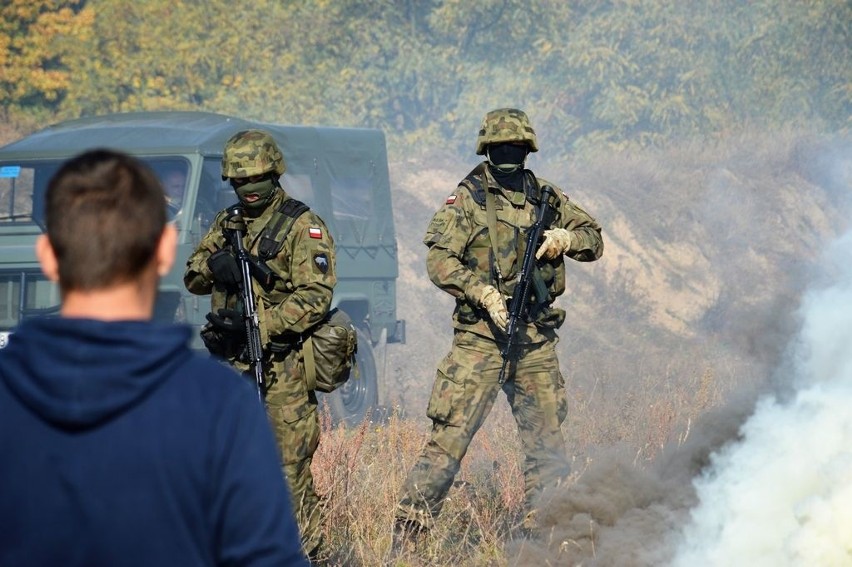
754 483
782 494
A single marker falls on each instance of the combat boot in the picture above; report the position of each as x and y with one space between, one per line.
409 536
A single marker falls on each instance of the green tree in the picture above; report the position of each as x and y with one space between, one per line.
590 72
34 41
161 54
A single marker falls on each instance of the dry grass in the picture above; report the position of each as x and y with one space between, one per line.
360 471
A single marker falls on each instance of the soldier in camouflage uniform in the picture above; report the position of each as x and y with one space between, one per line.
303 264
476 244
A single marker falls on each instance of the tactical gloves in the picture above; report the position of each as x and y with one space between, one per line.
224 268
225 334
557 241
492 300
228 320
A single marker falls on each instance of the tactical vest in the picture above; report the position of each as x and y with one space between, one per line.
275 232
476 183
329 348
543 315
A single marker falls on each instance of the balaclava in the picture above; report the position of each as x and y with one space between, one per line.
264 188
506 162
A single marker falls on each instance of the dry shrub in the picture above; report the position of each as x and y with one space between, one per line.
360 471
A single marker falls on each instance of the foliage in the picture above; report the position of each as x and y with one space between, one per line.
35 36
172 55
618 73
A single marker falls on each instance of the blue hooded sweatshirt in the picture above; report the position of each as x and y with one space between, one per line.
119 446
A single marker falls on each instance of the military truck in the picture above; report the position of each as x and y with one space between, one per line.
341 173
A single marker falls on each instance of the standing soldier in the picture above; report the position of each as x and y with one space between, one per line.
294 244
476 244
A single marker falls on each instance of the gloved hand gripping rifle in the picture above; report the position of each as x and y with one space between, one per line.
234 231
527 279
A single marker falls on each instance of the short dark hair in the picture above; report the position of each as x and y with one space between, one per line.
105 212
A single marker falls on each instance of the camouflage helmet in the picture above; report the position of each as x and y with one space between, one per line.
251 152
505 125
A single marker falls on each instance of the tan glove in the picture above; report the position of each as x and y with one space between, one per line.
557 241
492 300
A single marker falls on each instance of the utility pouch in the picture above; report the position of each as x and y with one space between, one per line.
329 352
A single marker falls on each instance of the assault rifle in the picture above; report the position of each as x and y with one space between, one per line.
236 228
528 278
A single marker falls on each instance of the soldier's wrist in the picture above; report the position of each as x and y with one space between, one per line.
474 292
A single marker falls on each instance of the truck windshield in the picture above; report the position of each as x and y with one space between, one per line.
23 185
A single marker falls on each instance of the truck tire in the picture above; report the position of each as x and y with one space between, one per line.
356 399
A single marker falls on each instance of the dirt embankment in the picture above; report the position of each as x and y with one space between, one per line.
707 249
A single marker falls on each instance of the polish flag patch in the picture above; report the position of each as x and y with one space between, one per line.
451 199
315 232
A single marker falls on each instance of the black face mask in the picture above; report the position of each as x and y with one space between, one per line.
513 181
506 162
507 157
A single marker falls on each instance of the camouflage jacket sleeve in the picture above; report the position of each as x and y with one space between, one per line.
447 237
306 267
197 277
587 243
453 229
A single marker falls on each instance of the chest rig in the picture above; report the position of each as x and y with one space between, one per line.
477 183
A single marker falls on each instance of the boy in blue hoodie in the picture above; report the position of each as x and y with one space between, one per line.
118 446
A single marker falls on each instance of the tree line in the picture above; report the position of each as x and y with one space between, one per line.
590 72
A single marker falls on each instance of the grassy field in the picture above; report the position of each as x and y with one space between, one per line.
360 472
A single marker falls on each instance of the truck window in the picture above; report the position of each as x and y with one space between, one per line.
16 192
22 187
214 194
25 293
351 181
352 198
173 173
298 186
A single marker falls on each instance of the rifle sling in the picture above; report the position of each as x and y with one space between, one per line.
491 219
491 214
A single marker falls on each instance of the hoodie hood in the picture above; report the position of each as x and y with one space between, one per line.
78 373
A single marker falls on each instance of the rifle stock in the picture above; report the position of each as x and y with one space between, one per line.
527 280
255 350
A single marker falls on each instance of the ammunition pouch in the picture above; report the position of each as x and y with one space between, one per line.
285 343
549 318
543 316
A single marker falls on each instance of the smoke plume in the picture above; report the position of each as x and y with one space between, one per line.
781 495
764 480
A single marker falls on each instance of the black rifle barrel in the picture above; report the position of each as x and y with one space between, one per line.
525 279
255 350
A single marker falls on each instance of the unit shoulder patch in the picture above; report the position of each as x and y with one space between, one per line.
321 262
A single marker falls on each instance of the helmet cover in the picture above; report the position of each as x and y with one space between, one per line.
249 153
505 125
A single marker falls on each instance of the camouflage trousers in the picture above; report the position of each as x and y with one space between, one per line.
292 411
465 388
